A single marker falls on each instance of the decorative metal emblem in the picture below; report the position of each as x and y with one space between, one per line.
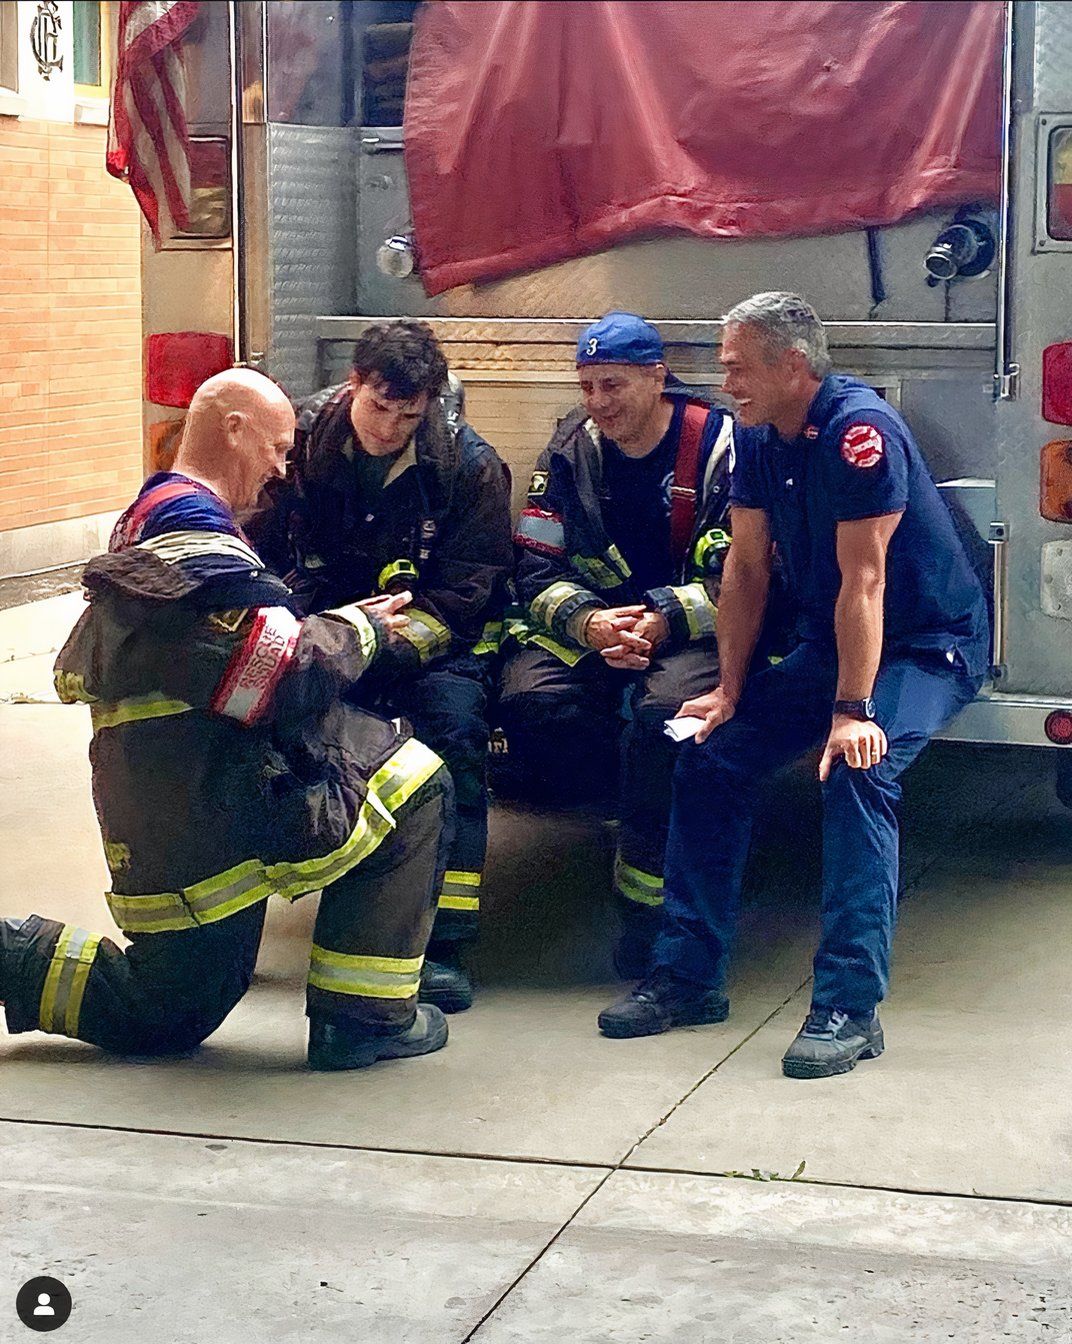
45 38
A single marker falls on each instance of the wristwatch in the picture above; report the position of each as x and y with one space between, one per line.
856 709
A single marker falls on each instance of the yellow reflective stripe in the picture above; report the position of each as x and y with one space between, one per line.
614 557
166 913
524 634
461 890
247 884
404 568
567 655
66 979
546 603
427 635
637 885
367 977
171 547
593 568
490 638
411 766
353 615
458 902
71 688
135 708
700 611
52 978
461 878
386 965
72 1010
224 894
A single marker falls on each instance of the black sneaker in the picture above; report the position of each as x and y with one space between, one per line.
660 1002
446 984
335 1045
830 1041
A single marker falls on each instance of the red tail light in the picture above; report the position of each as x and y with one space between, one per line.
1059 727
178 362
1057 383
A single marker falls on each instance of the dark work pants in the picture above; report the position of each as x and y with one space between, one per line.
578 733
167 992
785 711
447 706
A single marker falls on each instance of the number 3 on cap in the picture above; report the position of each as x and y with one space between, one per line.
593 345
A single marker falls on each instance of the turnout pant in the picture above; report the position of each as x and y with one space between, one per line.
168 991
447 707
574 733
785 711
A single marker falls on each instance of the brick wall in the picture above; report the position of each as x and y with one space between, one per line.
70 327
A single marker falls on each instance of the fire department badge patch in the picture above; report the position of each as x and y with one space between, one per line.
862 446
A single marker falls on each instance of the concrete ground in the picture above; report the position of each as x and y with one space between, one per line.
533 1181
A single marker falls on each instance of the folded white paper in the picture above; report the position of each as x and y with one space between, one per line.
682 729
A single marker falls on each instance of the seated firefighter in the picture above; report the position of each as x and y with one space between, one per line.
225 768
619 552
392 499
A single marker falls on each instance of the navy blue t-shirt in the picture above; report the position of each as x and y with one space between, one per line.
188 507
856 458
636 504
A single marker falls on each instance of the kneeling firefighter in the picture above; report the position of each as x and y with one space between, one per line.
225 768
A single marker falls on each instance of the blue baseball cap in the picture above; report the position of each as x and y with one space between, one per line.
620 338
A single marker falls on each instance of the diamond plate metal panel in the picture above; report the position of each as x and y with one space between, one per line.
311 224
1057 579
1053 54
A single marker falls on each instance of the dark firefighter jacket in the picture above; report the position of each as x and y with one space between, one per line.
567 565
225 767
441 528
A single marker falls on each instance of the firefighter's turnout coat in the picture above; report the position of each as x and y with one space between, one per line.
440 529
225 766
567 563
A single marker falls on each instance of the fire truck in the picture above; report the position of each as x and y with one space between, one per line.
299 238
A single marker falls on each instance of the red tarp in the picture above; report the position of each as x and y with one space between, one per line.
543 129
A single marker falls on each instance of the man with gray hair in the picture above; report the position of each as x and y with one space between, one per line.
894 640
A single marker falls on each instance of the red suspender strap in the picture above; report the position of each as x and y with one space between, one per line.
686 472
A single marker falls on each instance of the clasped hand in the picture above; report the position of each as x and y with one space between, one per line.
626 637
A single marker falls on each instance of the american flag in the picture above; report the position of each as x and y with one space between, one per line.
148 142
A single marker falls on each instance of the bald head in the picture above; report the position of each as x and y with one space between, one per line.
238 431
237 390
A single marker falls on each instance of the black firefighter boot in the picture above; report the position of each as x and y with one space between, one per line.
15 937
336 1044
445 981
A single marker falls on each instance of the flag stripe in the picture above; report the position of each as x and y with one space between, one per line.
148 141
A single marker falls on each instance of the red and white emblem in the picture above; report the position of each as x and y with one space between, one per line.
862 446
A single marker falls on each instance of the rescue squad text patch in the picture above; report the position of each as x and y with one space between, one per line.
862 445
